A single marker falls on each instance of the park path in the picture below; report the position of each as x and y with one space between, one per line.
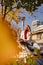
39 61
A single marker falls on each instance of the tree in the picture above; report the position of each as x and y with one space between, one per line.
29 5
7 4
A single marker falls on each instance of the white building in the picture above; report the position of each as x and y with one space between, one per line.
35 24
37 31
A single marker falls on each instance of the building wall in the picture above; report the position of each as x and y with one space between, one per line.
34 37
42 36
35 24
37 31
38 37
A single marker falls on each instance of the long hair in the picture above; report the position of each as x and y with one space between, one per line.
30 31
29 27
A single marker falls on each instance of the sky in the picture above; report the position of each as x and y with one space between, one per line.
38 15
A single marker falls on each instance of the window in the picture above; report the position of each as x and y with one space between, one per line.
41 23
39 36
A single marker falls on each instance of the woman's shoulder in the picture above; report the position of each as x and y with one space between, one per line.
29 32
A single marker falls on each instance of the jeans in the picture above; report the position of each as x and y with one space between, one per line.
29 45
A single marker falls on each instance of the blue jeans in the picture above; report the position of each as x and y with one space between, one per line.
29 45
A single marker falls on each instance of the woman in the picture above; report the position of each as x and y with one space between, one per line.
26 38
26 34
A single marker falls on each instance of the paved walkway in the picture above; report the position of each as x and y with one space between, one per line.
39 61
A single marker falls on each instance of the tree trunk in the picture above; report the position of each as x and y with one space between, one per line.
5 11
2 10
2 6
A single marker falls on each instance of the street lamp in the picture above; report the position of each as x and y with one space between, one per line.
23 19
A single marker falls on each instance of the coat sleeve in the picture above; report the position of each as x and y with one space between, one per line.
28 35
21 36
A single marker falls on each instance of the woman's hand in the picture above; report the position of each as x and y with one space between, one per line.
20 39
